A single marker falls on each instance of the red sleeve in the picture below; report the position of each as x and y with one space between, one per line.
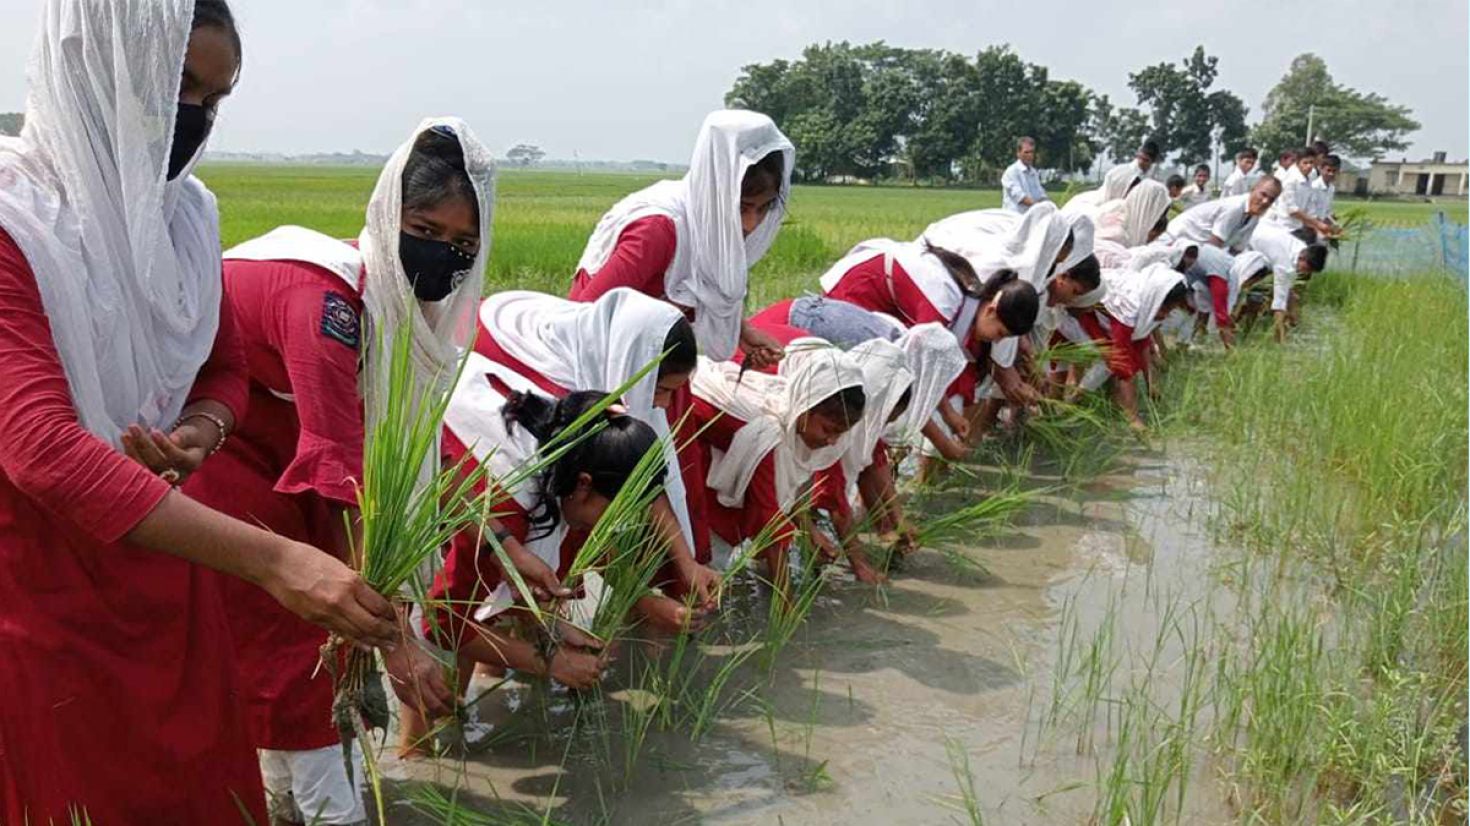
44 451
761 508
225 376
1220 298
313 328
829 491
644 251
778 313
1124 358
965 384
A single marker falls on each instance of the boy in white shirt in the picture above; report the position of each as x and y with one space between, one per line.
1293 209
1243 176
1324 191
1196 193
1292 259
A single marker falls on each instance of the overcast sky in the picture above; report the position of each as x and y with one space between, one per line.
625 81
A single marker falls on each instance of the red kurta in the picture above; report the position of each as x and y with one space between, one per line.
1125 357
867 285
119 696
471 570
290 468
760 508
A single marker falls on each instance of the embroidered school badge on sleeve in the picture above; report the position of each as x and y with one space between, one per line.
339 320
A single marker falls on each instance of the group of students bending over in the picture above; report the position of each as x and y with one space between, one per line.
167 419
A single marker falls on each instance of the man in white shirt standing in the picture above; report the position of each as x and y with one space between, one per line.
1020 185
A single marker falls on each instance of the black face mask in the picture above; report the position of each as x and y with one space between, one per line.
191 127
434 268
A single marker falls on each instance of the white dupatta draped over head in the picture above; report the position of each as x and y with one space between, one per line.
1134 297
1084 233
439 329
1244 266
711 268
594 346
772 406
127 263
996 239
1141 210
886 377
935 359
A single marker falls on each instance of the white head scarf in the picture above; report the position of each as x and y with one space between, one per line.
996 239
1244 266
886 377
127 264
1142 209
1083 231
935 359
596 346
1171 254
771 406
1134 298
1118 179
440 329
712 259
925 269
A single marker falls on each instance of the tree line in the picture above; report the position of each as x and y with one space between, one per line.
876 111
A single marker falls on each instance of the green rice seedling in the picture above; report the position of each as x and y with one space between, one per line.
448 811
969 797
986 517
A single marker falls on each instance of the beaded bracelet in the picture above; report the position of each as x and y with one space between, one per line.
224 433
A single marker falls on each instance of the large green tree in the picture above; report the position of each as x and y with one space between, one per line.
1116 131
1186 115
1356 124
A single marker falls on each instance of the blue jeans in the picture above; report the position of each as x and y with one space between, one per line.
845 325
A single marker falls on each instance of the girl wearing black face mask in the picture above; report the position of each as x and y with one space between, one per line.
312 313
97 547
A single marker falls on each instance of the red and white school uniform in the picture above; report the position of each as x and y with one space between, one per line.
119 696
758 463
291 467
1125 322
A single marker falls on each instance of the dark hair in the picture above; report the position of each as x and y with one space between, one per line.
960 268
1205 168
1087 273
1161 226
435 172
765 175
1321 147
1018 301
1316 257
1305 234
1287 153
1150 150
216 14
1175 180
681 351
1306 152
1248 152
846 405
1177 294
1331 160
609 455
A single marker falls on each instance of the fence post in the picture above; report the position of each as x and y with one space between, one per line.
1444 240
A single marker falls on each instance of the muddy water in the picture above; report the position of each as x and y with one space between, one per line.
881 698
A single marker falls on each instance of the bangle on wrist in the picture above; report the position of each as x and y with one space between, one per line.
224 432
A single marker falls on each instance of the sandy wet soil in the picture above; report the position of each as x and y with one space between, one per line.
882 697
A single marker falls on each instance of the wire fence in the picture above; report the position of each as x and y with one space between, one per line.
1438 244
